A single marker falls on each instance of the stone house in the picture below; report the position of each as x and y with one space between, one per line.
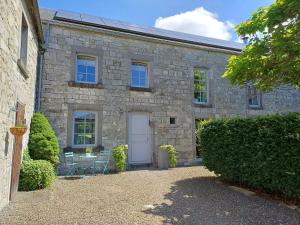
107 82
20 41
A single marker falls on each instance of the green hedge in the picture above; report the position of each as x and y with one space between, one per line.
261 152
43 143
36 174
172 154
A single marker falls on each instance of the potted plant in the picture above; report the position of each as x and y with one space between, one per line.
19 129
88 151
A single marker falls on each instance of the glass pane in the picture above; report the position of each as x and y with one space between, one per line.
78 139
79 128
90 128
81 69
89 139
142 83
134 74
91 78
135 83
91 69
81 77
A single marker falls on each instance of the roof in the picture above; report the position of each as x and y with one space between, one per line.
33 9
104 23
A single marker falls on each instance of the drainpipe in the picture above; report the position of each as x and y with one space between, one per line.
40 68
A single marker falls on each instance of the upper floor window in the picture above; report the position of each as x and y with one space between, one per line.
254 96
84 130
86 67
139 74
200 85
24 41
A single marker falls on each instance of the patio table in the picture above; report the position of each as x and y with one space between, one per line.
89 159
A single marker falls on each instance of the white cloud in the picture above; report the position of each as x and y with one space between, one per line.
198 21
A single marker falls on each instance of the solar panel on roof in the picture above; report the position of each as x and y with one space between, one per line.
149 31
68 15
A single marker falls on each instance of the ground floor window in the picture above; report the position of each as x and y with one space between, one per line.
84 128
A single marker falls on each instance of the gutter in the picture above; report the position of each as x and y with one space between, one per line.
33 9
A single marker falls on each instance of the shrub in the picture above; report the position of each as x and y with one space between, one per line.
171 154
26 155
43 143
119 154
36 174
261 152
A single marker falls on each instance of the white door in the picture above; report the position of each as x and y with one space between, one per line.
139 151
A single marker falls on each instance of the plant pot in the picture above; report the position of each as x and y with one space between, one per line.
18 131
88 154
163 160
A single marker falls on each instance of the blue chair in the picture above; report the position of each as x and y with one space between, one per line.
69 162
103 162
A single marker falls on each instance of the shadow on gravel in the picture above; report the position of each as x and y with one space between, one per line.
200 200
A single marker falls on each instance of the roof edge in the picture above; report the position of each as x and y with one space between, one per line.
33 9
144 34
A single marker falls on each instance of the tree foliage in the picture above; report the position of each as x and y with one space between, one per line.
272 56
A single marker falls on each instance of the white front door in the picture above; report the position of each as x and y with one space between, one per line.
139 151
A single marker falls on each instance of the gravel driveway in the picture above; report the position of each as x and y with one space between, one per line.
187 195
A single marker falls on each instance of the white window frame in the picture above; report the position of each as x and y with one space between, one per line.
258 95
147 73
22 44
96 69
73 128
206 84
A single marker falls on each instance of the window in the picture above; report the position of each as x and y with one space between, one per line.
254 97
84 128
139 75
200 86
172 120
86 69
24 41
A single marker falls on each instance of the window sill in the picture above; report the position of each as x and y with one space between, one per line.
23 69
83 85
255 107
139 89
202 105
82 149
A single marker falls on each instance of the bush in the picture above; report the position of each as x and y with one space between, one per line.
26 155
261 152
36 174
43 143
119 154
171 154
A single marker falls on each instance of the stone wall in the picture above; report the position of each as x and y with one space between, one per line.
172 87
14 87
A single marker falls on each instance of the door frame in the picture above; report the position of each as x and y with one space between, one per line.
129 153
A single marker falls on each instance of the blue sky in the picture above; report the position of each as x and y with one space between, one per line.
214 18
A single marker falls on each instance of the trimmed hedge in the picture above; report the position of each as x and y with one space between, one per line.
261 152
36 174
43 143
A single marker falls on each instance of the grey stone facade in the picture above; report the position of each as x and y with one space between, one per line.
17 82
170 93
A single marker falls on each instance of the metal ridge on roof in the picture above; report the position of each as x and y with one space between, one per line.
145 31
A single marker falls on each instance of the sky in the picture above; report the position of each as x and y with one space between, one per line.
210 18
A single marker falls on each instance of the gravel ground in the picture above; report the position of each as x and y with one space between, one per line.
187 195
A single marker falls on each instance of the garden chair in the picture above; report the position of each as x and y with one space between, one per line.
69 162
103 162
